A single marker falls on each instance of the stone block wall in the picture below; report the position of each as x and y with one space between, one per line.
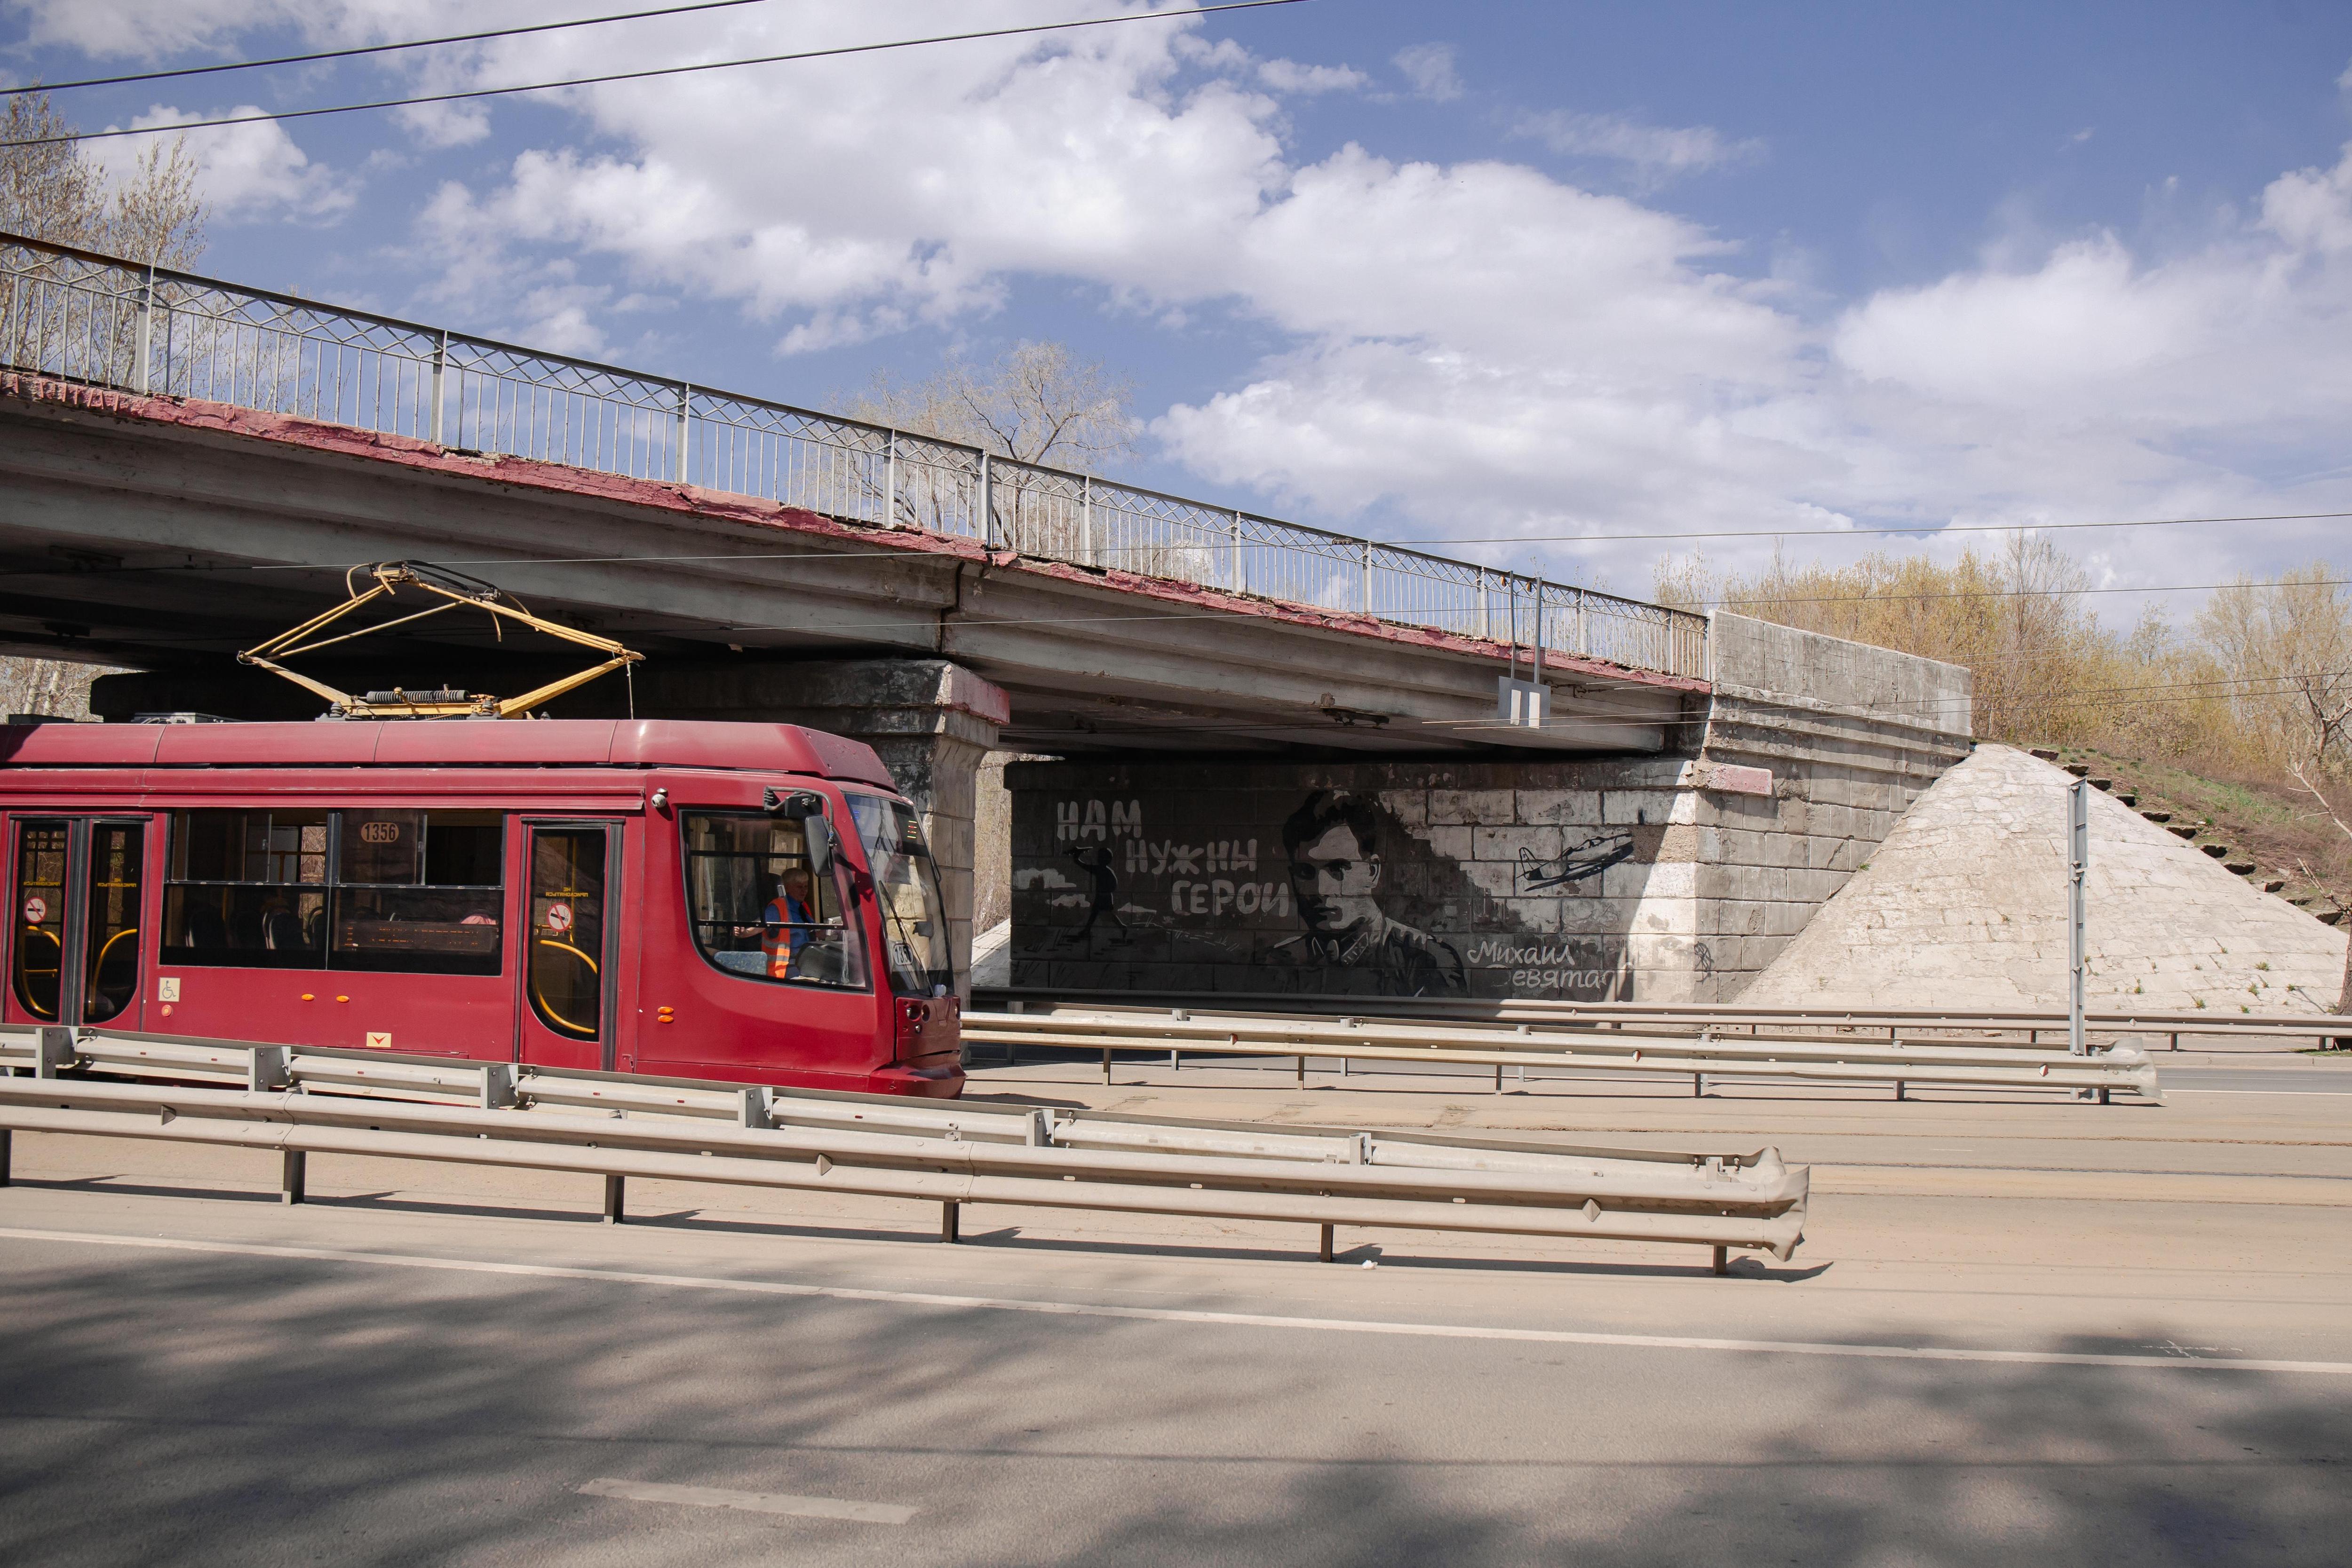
1669 877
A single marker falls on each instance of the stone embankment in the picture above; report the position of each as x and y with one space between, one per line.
1964 905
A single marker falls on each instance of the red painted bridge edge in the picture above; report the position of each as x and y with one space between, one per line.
689 500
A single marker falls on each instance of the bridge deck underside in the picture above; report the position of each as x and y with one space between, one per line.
169 545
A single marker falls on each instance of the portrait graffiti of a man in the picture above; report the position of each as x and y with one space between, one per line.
1351 944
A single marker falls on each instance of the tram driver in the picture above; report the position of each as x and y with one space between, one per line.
788 923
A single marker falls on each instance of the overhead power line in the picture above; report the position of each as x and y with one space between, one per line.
653 71
371 48
1930 529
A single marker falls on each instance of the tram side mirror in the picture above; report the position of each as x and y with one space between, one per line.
819 833
807 807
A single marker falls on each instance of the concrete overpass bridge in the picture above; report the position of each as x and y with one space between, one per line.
187 466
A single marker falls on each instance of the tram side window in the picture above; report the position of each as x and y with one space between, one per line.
408 892
419 892
246 889
756 910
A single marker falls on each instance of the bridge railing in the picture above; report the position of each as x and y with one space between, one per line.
82 317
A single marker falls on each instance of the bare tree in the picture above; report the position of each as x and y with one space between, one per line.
1038 403
58 191
51 688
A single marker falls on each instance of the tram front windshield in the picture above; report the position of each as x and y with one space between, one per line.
907 886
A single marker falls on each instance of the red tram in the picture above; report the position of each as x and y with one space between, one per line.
745 901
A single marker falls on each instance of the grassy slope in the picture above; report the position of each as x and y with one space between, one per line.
2276 831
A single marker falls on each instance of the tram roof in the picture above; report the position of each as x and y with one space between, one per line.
449 743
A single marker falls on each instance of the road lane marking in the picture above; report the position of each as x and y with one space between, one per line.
750 1502
1181 1314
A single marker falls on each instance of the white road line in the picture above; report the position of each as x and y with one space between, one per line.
750 1502
1185 1315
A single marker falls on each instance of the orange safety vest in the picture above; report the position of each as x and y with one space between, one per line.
777 938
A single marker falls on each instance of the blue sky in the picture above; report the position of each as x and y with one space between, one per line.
1527 272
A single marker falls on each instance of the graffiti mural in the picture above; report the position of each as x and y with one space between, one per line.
1244 886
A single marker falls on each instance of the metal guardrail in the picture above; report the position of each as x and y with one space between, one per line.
1696 1016
299 1101
1809 1058
84 316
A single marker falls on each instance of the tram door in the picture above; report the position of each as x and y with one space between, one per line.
76 886
568 947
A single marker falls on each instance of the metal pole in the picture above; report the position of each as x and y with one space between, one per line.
1324 1253
2078 860
440 368
293 1177
617 1197
951 1220
684 398
1484 611
987 505
1368 577
146 326
1236 575
891 479
1088 552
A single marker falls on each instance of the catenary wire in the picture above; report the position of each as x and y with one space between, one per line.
648 73
1931 529
358 50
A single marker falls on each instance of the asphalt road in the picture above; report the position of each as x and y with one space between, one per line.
252 1408
436 1364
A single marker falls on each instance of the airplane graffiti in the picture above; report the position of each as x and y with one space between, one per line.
1591 858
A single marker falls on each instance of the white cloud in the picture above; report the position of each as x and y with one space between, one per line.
1289 76
1430 68
1466 349
1656 153
244 172
147 29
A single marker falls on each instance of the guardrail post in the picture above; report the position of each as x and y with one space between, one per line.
7 1154
1698 1085
1237 578
1087 551
1723 1259
616 1198
266 1069
754 1108
146 328
53 1050
950 1221
1302 1073
1105 1064
293 1176
685 423
1039 1129
1323 1253
890 478
1367 585
498 1083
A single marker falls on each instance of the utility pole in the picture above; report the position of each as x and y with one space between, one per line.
2078 861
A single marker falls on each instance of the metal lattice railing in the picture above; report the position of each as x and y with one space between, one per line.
82 316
